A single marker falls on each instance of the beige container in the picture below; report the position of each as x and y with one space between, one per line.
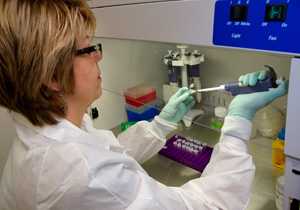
269 121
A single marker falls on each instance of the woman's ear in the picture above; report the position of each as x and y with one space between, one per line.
53 85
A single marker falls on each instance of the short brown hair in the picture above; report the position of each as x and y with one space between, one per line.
38 41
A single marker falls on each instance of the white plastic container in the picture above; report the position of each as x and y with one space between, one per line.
279 193
269 121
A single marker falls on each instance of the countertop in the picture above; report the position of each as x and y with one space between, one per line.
172 173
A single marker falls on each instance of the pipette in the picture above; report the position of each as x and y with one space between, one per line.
236 88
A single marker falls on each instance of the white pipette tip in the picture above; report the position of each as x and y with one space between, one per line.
191 88
193 91
221 87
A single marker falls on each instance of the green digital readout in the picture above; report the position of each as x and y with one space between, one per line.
276 12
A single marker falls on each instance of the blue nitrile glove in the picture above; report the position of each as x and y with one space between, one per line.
178 105
246 105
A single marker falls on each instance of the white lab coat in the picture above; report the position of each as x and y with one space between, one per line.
62 167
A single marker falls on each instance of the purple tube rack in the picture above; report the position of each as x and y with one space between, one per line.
196 160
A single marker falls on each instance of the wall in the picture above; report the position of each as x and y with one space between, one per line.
226 65
126 64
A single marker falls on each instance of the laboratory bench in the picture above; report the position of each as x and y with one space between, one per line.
172 173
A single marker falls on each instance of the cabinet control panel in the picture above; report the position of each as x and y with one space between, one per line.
270 25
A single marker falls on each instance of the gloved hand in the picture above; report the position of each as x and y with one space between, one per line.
246 105
178 105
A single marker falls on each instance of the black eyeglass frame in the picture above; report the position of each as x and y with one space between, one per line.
88 50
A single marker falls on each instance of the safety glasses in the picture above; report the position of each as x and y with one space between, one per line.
88 50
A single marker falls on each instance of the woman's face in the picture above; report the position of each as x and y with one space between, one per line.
87 75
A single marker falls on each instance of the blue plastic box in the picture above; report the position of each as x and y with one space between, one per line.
148 114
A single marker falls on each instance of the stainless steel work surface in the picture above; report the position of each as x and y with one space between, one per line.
172 173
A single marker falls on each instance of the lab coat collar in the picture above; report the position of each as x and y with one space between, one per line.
62 132
55 132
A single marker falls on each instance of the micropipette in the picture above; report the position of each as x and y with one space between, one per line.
236 88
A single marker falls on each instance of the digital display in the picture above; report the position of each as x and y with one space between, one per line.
238 13
276 12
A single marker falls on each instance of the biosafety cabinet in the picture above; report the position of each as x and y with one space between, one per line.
164 21
256 25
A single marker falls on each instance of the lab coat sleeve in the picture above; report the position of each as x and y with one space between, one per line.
145 139
226 181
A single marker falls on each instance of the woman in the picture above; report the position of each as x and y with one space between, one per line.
49 76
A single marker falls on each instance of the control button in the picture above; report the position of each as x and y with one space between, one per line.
238 13
296 172
276 12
